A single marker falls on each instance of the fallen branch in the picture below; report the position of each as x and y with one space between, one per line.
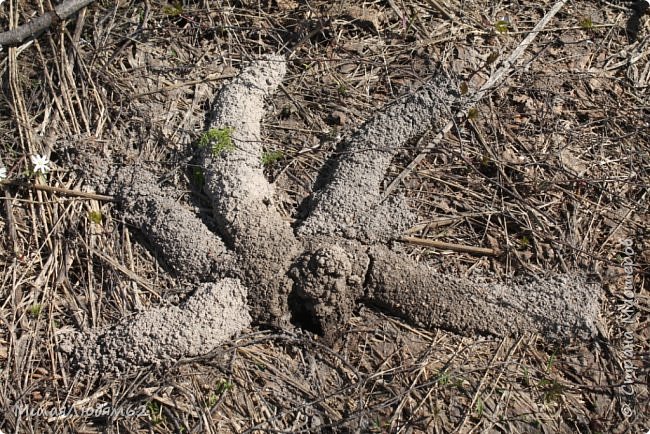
38 25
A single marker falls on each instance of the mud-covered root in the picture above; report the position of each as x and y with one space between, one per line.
349 204
176 233
243 200
559 308
212 315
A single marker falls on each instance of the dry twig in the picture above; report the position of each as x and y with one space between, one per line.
37 26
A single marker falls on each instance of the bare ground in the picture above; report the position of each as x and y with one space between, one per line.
551 169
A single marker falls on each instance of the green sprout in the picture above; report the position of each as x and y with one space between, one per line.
285 112
223 386
472 113
586 23
553 390
36 309
212 400
444 378
464 88
502 26
379 425
526 376
173 10
480 407
155 412
218 139
95 217
271 157
551 362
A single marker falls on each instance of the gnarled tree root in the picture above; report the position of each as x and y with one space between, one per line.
349 205
243 200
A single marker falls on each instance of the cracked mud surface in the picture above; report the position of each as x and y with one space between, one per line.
317 273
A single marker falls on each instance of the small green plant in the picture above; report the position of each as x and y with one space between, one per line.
342 89
95 217
379 425
212 400
35 310
472 114
444 378
502 26
586 23
480 407
155 412
553 390
218 139
173 10
524 242
223 386
286 112
464 88
551 362
526 376
271 157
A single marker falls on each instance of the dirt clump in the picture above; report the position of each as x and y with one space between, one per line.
212 315
350 203
188 246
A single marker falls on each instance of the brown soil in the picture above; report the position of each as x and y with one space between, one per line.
203 289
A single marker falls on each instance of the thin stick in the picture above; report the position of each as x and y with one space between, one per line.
480 251
60 190
38 25
496 79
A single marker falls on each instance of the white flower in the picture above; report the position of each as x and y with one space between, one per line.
3 173
40 163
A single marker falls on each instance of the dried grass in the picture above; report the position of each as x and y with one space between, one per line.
552 168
